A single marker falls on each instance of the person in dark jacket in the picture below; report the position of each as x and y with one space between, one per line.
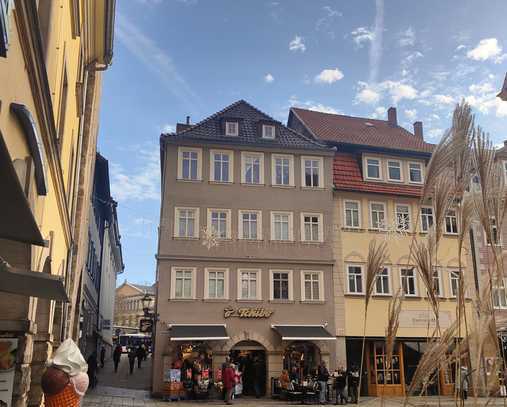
132 359
353 382
116 357
139 355
102 356
339 384
258 376
92 369
322 378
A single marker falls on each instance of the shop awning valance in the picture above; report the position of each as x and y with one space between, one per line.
16 218
303 333
198 333
31 283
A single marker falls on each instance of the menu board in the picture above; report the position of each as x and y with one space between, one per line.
8 349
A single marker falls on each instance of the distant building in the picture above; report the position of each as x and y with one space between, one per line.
104 262
128 309
503 93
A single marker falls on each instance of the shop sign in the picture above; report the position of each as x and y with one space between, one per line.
230 312
146 325
423 319
8 349
106 324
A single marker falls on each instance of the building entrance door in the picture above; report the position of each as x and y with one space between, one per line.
249 357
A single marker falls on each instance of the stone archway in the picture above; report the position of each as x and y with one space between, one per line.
248 336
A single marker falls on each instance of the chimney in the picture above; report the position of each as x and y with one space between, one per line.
391 117
188 119
418 130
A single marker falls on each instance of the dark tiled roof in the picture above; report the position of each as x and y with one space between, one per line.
360 131
210 130
347 177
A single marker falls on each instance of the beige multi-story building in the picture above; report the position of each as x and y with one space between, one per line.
51 57
128 306
245 260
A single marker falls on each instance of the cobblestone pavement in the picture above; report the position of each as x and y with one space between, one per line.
139 380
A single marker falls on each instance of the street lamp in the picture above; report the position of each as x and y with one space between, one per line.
146 300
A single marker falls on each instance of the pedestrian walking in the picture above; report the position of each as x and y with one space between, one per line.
116 357
229 382
353 383
92 369
132 359
322 378
258 372
140 356
340 383
464 383
102 356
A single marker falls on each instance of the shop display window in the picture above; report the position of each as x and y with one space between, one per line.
301 359
383 372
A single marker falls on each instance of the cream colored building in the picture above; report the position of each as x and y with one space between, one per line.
52 54
128 306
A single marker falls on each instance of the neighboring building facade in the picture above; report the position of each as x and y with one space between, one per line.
245 258
128 308
51 54
378 174
103 263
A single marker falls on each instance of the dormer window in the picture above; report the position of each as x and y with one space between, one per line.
268 131
231 128
373 168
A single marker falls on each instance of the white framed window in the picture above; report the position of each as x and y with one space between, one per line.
268 131
312 285
282 170
408 281
378 215
383 282
499 296
186 222
250 225
312 172
252 168
189 164
221 166
352 214
426 218
402 213
281 285
231 128
373 168
504 166
451 222
415 172
311 227
394 171
249 284
282 226
216 283
219 221
183 283
437 283
454 283
497 241
355 279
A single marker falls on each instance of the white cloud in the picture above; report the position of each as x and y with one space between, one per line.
142 221
443 99
411 114
141 182
367 94
325 24
481 88
362 35
487 48
168 128
379 113
155 59
297 44
399 90
407 38
434 133
460 47
376 44
311 105
329 76
269 78
487 103
412 57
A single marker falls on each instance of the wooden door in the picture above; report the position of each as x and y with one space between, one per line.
383 379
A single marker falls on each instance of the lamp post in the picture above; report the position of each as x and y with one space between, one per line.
147 325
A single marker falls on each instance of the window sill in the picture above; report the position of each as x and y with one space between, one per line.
451 234
351 229
216 300
395 181
354 294
305 188
242 300
312 242
189 180
282 241
377 230
312 302
247 184
416 183
380 295
283 186
251 240
186 238
221 182
412 296
182 299
273 301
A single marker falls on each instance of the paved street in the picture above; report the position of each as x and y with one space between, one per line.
139 380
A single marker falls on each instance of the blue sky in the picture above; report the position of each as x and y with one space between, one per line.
174 58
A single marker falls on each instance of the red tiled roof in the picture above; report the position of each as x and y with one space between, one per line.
360 131
347 176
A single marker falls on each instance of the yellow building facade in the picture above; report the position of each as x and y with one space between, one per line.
128 306
51 57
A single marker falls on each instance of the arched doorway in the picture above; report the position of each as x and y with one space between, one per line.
250 360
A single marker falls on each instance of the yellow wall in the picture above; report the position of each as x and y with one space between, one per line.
351 247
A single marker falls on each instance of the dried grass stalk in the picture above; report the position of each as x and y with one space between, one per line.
393 325
422 258
440 158
377 256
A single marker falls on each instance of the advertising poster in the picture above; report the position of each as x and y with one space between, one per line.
8 349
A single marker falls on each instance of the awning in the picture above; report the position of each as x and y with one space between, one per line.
198 333
31 283
16 218
303 333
